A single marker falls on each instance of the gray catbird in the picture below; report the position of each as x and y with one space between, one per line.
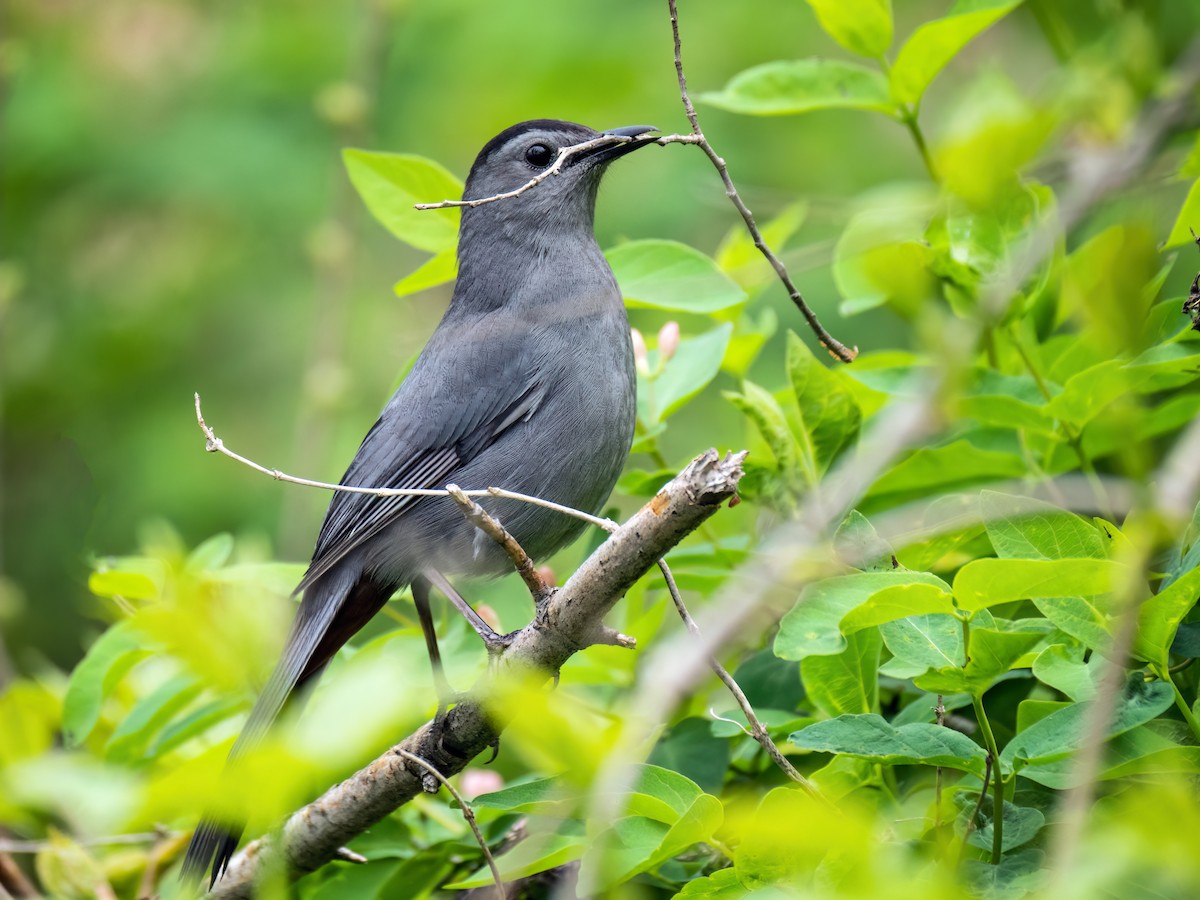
528 384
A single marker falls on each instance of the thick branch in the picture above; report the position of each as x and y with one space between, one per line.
570 620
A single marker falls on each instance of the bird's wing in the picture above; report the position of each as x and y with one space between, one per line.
426 434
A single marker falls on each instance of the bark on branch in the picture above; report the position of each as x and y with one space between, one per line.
569 621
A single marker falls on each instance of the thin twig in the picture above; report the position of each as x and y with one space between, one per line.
490 526
8 845
757 730
565 154
987 775
940 711
468 813
828 341
214 444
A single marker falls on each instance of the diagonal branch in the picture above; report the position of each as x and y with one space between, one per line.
828 341
568 622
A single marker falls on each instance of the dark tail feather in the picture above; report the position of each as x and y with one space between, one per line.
210 841
331 612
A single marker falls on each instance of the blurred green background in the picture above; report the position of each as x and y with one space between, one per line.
176 218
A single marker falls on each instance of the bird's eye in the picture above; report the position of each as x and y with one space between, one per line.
539 155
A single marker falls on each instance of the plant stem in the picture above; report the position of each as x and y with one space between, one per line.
909 118
989 740
1188 716
1073 438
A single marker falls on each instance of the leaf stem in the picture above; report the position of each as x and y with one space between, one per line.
989 740
1164 673
909 117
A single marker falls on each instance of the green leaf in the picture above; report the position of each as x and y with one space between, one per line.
920 643
691 748
1023 528
859 545
391 183
739 258
29 720
1188 219
1159 618
871 737
1021 823
1080 617
434 271
536 853
1065 671
544 796
829 413
847 682
149 715
1159 747
196 723
990 654
987 582
636 844
130 585
640 483
1062 733
861 26
800 86
1016 875
1090 392
957 463
816 624
673 276
695 363
212 554
723 884
115 652
793 458
934 44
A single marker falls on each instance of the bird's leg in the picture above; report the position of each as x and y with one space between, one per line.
420 592
494 642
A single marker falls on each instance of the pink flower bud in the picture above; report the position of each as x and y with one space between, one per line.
479 781
668 341
640 354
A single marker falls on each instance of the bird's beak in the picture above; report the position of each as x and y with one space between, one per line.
608 154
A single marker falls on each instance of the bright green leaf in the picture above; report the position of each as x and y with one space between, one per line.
115 652
1065 671
436 270
934 44
1160 615
672 276
149 715
391 183
804 85
1023 528
829 414
987 582
861 26
1188 219
814 626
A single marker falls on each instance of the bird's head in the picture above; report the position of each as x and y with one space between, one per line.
521 153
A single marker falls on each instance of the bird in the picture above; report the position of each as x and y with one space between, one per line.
527 383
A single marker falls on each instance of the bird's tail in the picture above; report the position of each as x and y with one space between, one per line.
332 610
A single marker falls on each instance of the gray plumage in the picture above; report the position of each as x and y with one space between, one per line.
528 383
